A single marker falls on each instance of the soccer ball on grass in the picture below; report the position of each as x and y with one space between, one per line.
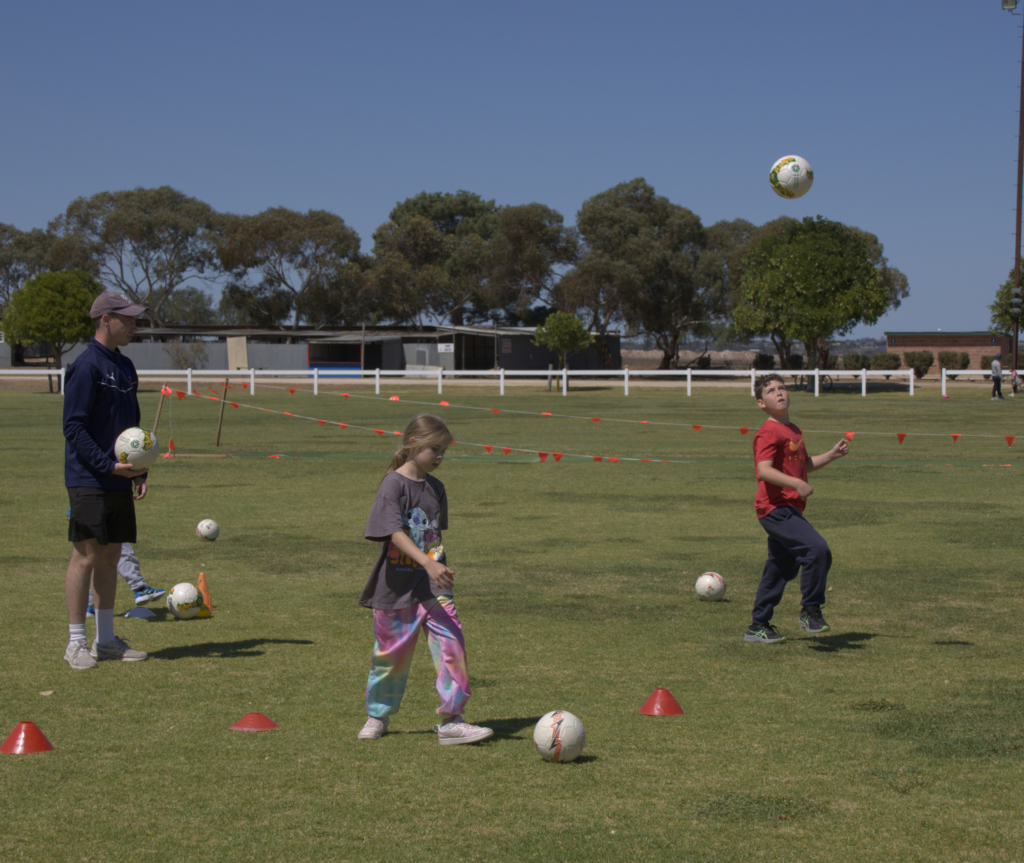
208 529
559 736
710 586
184 601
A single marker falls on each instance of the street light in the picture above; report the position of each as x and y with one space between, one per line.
1015 303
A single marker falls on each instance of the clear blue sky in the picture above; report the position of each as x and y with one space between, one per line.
907 111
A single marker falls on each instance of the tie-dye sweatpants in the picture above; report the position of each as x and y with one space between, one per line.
397 631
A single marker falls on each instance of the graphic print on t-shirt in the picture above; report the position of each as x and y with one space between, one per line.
421 530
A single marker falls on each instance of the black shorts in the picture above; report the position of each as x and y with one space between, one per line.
106 516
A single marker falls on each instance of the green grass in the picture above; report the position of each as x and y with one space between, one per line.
897 737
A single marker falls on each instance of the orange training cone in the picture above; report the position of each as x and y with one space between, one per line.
26 738
661 703
207 609
255 722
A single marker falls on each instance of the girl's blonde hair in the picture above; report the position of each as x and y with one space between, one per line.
424 431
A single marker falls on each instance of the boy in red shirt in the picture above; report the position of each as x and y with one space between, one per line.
781 464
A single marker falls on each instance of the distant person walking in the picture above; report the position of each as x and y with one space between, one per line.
997 377
100 402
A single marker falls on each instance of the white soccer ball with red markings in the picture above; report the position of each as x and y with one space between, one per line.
208 529
559 736
184 601
710 587
137 447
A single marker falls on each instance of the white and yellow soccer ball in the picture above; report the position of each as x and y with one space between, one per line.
208 529
559 736
137 447
184 601
791 177
710 586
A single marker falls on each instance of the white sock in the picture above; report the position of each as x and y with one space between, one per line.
104 625
76 632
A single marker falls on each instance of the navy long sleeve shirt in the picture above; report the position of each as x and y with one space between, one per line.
100 402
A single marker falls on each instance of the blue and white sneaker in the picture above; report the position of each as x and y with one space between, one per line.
90 610
148 594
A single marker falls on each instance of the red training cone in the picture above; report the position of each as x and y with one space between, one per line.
25 739
661 703
255 722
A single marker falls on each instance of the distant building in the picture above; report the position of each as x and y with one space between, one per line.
976 343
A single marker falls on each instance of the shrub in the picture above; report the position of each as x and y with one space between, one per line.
986 362
856 362
794 361
884 362
764 362
954 361
701 362
832 362
919 361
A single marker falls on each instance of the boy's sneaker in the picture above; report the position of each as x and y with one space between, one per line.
90 610
766 634
812 621
148 594
374 729
456 730
78 657
117 649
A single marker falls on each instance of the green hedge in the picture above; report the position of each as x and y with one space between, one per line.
986 362
954 360
856 362
794 361
764 362
885 362
702 362
919 361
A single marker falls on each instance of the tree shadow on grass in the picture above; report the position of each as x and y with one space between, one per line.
223 649
845 641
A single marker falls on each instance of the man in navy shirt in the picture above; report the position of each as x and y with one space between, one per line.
100 402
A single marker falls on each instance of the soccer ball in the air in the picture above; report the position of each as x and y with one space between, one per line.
791 177
137 447
184 601
710 586
559 736
208 529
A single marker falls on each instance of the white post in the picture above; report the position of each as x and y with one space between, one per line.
565 382
752 382
943 383
501 382
188 380
439 373
689 380
376 381
816 381
62 382
252 380
625 379
316 381
911 373
864 382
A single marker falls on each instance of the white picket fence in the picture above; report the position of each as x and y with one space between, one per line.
562 375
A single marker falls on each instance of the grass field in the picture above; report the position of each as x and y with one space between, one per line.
897 737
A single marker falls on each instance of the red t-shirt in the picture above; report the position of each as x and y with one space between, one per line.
783 446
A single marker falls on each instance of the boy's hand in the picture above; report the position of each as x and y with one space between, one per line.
840 449
805 490
439 574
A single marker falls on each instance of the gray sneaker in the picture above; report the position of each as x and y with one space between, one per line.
766 634
374 729
78 657
811 620
117 649
457 730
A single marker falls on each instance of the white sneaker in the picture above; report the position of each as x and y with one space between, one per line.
78 657
117 649
374 729
457 730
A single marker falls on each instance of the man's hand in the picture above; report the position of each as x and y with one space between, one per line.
127 471
140 488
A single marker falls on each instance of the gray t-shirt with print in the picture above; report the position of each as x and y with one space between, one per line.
420 509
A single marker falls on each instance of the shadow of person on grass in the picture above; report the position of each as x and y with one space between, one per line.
504 729
223 649
843 641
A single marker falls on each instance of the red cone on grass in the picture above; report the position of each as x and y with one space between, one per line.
661 703
255 722
25 739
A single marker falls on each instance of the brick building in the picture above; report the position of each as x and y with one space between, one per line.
977 344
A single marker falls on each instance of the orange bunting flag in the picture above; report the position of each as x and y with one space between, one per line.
506 450
596 419
233 404
900 437
322 423
697 428
955 437
393 398
543 456
180 394
644 422
273 456
165 390
1010 439
453 443
343 394
212 398
743 430
645 460
557 455
245 386
397 433
495 410
597 458
291 391
343 425
612 459
488 448
212 390
195 393
170 444
444 404
849 435
285 413
379 432
545 414
228 386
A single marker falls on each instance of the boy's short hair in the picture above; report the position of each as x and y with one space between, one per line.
763 381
